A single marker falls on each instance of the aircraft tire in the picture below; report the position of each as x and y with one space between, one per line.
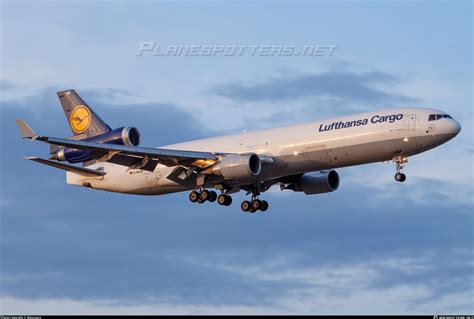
256 204
194 196
212 196
221 199
246 206
400 177
228 200
204 195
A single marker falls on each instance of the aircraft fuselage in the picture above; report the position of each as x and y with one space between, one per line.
296 149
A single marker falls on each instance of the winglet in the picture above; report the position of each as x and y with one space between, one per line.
26 131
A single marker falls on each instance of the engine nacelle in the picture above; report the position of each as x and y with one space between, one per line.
311 184
121 136
238 166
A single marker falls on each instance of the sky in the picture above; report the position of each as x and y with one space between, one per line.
372 246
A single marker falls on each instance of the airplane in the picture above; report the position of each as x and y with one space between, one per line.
300 158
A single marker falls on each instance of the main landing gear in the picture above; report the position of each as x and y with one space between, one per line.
211 196
225 200
202 196
399 161
254 205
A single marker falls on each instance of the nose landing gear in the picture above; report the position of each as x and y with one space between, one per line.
399 161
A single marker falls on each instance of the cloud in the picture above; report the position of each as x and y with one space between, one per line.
426 183
5 85
349 288
70 306
111 96
338 86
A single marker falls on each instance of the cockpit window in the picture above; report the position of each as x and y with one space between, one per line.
435 117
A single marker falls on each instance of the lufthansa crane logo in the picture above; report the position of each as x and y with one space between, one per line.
80 119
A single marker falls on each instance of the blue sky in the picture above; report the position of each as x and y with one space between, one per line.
373 246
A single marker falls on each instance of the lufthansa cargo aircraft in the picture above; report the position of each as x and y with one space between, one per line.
300 158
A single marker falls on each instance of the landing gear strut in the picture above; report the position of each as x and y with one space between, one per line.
399 161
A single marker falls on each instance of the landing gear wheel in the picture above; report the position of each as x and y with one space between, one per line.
225 200
263 205
212 196
221 199
251 211
246 206
204 196
228 200
194 196
256 204
400 177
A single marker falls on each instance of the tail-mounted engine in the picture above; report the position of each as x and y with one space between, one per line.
128 136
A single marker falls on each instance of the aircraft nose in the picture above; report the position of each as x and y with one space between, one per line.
455 127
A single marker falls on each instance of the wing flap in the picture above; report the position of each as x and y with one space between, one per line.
134 162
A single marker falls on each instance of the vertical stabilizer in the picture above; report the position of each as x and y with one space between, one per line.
81 118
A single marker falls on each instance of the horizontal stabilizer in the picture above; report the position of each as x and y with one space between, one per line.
67 167
26 131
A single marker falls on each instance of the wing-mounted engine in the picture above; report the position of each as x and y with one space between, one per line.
237 166
313 183
128 136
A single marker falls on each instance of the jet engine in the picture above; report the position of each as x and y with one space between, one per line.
310 184
121 136
238 166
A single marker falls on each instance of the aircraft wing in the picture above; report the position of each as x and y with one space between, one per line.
143 154
164 156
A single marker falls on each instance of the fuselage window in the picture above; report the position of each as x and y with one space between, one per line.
432 117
